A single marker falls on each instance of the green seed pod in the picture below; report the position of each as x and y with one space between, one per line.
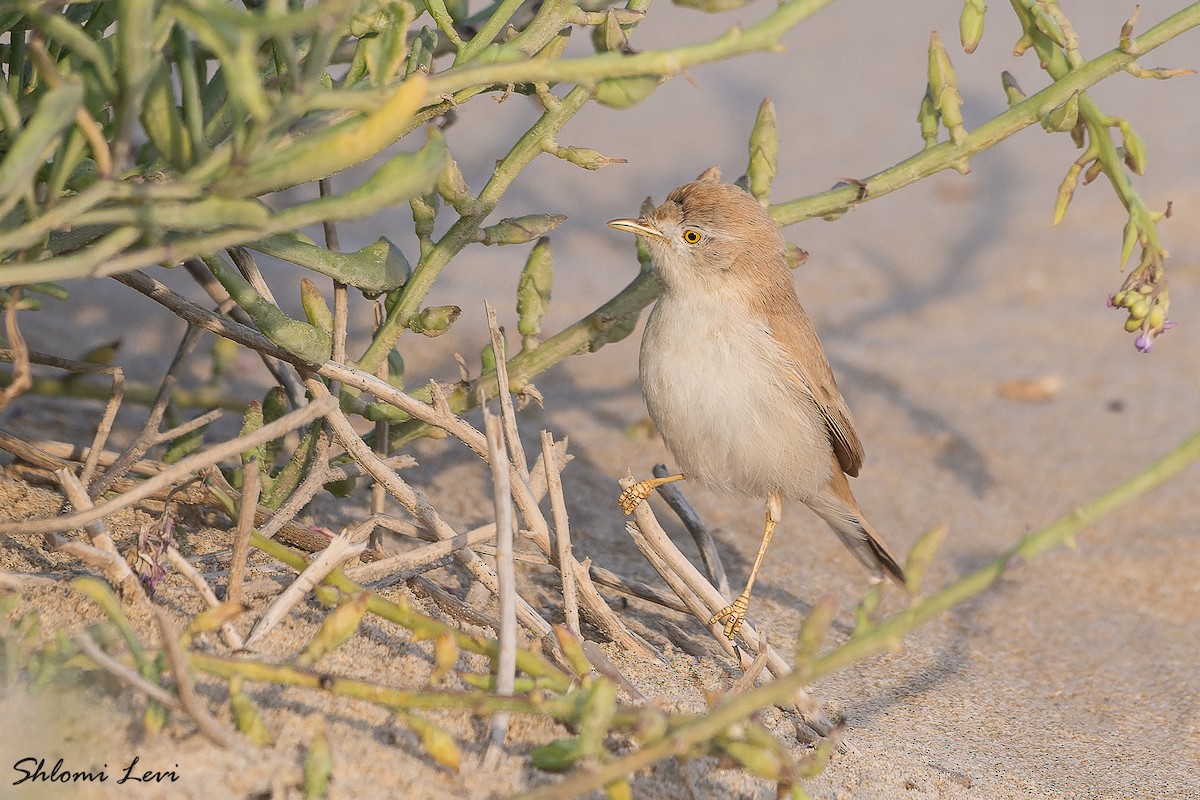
970 24
572 649
1048 26
339 626
756 760
246 716
921 555
813 630
318 767
943 85
764 152
424 213
395 375
316 310
1156 318
1135 148
586 157
1129 239
929 120
1066 191
434 320
533 290
1092 172
557 756
1118 299
1139 309
1132 324
625 92
438 743
1011 89
275 404
453 186
445 654
518 230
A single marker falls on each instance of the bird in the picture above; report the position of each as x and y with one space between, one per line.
735 378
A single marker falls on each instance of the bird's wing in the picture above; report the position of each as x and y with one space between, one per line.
812 378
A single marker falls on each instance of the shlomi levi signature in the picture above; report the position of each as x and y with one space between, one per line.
32 769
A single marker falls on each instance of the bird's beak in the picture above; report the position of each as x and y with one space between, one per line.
637 227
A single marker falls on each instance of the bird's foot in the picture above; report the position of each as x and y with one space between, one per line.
635 495
733 616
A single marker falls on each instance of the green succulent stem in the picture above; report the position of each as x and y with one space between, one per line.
887 634
948 155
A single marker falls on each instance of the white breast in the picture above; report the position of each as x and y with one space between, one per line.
714 386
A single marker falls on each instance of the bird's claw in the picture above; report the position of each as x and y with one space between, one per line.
634 496
733 616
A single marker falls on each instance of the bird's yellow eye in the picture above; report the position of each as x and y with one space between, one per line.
692 236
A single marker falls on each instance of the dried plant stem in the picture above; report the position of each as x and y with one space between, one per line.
247 505
506 662
150 430
89 648
339 551
423 626
709 556
176 473
229 633
205 722
116 569
418 506
562 537
418 558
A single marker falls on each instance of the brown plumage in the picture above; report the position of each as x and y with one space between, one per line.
735 377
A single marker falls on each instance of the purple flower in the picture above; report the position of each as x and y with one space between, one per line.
1111 299
1144 343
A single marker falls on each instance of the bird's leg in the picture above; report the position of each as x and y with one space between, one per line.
734 615
636 494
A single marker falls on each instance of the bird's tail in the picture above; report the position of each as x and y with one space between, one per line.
836 505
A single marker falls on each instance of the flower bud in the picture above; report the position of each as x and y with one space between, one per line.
518 230
1011 90
764 152
1135 148
316 310
625 92
928 119
339 625
970 24
533 289
943 86
445 654
434 320
1132 324
586 157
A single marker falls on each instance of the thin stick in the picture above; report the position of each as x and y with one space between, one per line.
675 568
188 699
507 413
506 662
104 427
187 427
22 376
245 526
154 419
185 568
562 537
451 604
709 555
56 455
103 553
634 588
417 558
118 670
176 473
418 506
340 551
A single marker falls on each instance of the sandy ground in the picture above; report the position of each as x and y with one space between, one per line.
1075 678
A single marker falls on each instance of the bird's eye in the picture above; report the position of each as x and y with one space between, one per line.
692 236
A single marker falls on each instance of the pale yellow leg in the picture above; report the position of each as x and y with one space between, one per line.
636 494
734 615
